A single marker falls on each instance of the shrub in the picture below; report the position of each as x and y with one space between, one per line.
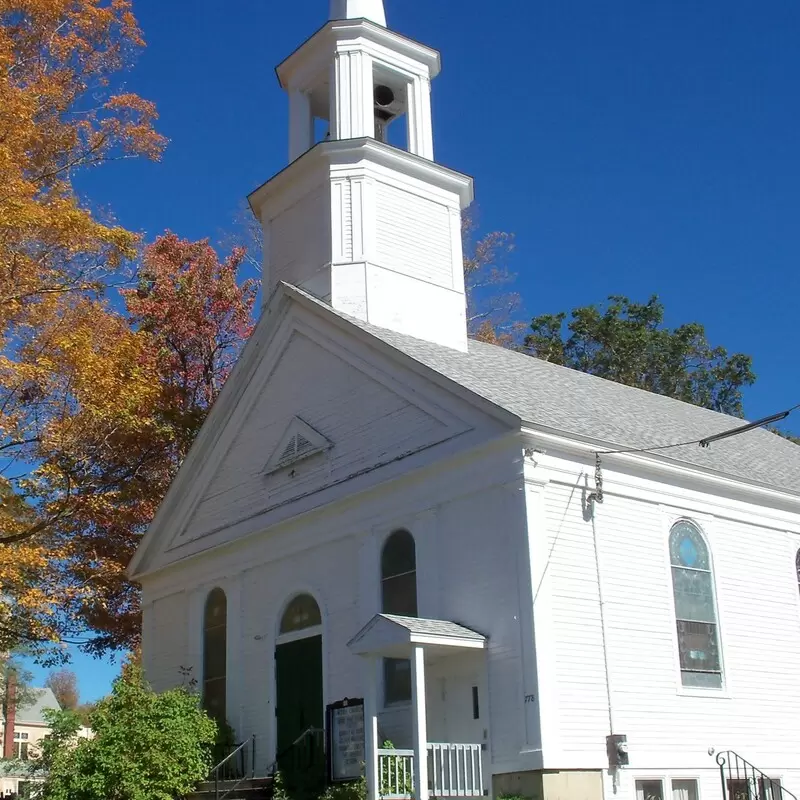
146 746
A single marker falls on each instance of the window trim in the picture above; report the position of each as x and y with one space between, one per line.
666 779
705 524
651 779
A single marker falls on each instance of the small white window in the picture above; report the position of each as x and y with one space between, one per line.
650 789
684 790
21 746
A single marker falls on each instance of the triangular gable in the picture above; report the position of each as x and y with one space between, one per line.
300 441
220 429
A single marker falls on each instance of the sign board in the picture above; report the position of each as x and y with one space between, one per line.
346 743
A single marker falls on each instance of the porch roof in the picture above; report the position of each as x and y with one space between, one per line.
390 636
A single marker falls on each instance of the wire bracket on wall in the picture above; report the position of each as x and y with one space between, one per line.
597 495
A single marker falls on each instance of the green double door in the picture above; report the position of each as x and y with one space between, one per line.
298 707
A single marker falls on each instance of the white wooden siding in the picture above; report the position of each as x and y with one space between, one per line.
336 558
668 727
300 240
165 627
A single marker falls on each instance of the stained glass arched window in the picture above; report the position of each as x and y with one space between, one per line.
398 596
695 608
303 612
215 657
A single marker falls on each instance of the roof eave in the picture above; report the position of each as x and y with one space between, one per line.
656 461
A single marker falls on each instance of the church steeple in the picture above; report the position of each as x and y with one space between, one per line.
354 9
362 217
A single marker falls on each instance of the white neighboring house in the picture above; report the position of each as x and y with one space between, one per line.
379 508
29 728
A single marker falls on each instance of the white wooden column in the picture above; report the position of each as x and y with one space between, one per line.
352 113
420 724
371 727
301 124
420 121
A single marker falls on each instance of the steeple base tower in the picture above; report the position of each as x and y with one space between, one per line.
373 229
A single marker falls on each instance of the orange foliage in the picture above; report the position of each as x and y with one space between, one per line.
58 113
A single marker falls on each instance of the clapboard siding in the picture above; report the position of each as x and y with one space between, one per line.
466 570
416 238
299 242
165 628
758 711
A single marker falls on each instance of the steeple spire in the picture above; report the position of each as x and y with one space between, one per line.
359 9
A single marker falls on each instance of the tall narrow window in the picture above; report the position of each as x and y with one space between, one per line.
695 610
21 746
215 646
398 596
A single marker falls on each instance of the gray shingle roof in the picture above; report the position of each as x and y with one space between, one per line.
31 714
607 414
434 627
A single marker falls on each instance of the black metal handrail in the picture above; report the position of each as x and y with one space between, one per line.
223 768
742 781
308 733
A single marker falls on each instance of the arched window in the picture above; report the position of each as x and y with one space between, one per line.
398 596
399 575
215 657
695 609
797 565
303 612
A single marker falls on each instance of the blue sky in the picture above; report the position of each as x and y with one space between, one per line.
632 147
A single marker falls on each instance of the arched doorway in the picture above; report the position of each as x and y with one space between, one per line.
298 690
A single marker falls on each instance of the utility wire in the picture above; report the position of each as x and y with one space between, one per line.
731 432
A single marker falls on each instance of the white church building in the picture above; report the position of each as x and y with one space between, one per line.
492 552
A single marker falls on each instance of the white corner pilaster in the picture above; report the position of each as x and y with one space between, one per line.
352 115
301 124
420 724
420 120
371 727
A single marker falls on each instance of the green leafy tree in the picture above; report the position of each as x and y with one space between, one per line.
64 725
146 746
628 343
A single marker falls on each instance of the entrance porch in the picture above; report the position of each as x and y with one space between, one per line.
429 769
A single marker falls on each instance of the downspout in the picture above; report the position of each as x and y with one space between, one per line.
596 499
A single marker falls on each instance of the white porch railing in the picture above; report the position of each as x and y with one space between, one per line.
454 770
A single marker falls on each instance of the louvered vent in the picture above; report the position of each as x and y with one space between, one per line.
298 442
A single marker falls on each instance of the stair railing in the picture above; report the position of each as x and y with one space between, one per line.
742 781
246 752
311 734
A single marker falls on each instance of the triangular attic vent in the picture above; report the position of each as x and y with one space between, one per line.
298 442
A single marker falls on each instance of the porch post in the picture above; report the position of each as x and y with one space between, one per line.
420 724
371 726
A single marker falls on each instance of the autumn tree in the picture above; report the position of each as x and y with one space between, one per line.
491 305
627 342
59 114
64 685
142 389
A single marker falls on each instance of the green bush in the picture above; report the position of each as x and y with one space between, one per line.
146 746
